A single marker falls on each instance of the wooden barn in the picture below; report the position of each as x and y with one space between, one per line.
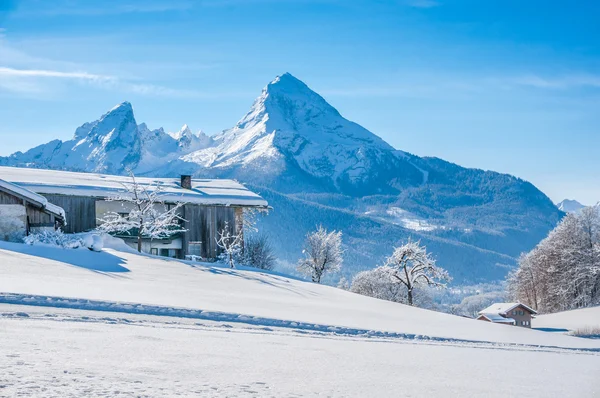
23 211
209 205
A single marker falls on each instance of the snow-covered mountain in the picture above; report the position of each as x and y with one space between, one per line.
570 206
111 144
316 167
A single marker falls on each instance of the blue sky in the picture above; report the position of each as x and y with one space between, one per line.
510 86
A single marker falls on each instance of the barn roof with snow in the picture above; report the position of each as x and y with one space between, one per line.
496 318
32 198
203 191
504 309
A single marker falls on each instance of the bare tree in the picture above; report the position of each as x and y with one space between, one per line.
258 252
322 254
148 216
231 244
411 266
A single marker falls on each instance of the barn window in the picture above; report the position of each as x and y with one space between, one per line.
195 248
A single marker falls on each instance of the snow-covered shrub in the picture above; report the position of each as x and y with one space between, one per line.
343 283
322 254
589 332
66 241
258 252
54 238
93 242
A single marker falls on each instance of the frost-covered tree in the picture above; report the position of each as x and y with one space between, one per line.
563 271
343 283
411 267
322 254
471 305
146 216
230 243
378 283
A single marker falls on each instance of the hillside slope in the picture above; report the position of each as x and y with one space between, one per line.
581 319
35 274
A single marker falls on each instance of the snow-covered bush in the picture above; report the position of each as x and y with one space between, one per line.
54 238
93 242
322 254
66 241
343 283
589 332
258 252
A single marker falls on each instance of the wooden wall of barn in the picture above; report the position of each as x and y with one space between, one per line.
39 218
8 199
80 211
203 223
35 215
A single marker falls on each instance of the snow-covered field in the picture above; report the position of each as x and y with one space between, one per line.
585 318
71 353
95 325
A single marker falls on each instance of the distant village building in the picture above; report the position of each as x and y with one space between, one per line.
23 211
515 314
210 205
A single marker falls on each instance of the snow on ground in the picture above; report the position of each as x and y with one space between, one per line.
81 323
212 292
71 353
585 318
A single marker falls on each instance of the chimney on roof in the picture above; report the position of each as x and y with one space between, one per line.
186 182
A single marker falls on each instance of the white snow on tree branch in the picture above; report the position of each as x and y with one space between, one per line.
149 216
230 243
412 266
322 254
563 271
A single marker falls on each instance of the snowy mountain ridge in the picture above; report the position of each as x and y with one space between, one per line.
111 144
316 167
570 206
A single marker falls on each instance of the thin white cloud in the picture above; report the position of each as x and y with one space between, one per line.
5 71
28 81
560 82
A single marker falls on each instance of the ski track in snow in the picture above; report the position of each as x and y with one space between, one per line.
267 324
60 352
